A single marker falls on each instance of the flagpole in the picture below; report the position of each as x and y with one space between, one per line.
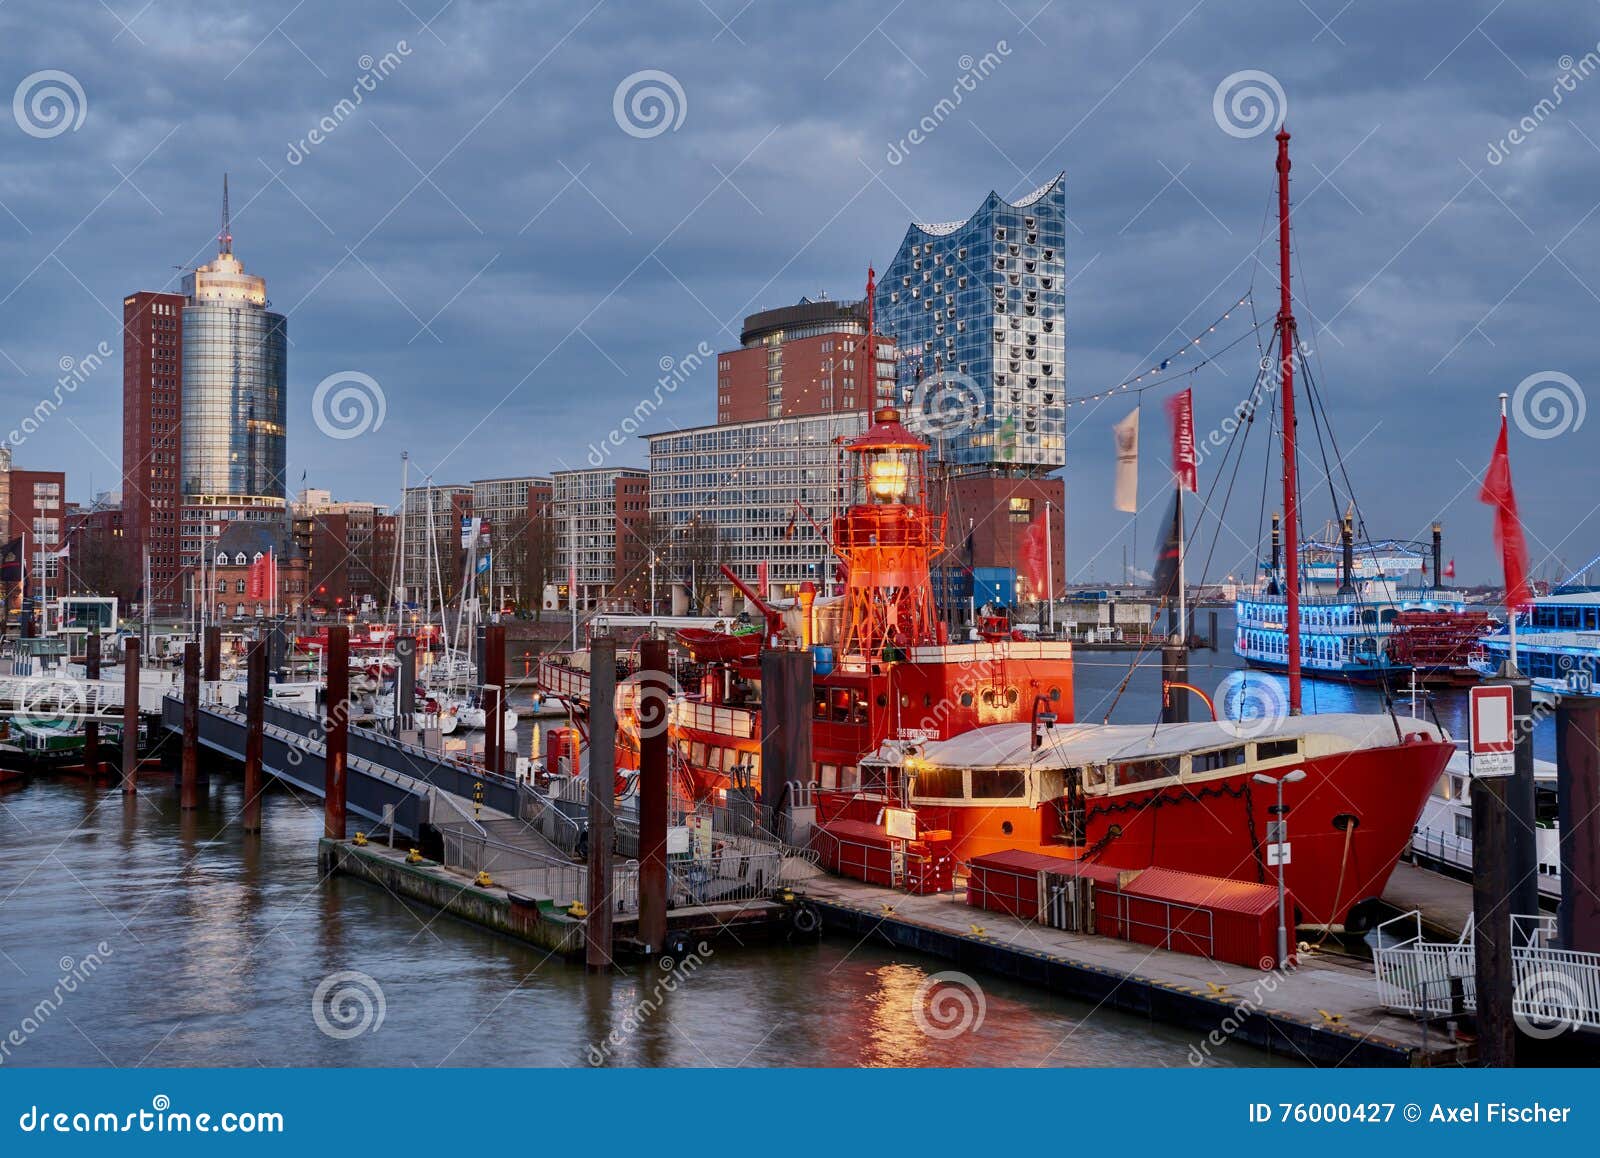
1049 572
1511 612
1183 598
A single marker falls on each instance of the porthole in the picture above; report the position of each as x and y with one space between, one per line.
883 700
966 699
1055 694
1005 827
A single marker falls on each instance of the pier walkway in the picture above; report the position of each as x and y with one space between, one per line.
1323 1012
388 782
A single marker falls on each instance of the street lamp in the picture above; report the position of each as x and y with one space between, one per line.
1282 813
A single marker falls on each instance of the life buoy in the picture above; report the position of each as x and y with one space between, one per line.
807 920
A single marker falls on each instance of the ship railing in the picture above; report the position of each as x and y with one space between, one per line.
1445 847
1419 977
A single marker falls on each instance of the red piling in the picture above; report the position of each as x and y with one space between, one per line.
336 731
130 716
653 699
494 699
188 793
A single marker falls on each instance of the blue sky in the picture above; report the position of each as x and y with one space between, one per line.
484 237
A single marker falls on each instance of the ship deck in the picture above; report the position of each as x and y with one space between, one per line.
1285 1013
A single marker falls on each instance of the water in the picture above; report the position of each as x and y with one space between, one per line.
215 944
1098 675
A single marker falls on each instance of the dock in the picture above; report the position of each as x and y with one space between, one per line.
1323 1012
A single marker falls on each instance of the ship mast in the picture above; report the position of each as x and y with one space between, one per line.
1288 345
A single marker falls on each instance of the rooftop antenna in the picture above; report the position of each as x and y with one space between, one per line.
225 238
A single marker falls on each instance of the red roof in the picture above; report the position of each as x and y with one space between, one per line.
1015 860
886 430
1220 893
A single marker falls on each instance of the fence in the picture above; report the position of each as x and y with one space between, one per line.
730 875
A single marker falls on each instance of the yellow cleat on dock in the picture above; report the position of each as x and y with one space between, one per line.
1331 1018
578 910
977 930
888 910
483 880
1217 990
360 840
413 857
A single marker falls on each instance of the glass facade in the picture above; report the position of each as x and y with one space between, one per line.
235 401
978 311
584 506
763 485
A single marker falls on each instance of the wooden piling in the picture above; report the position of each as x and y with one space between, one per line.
336 731
1578 799
405 682
601 799
188 793
1497 852
213 653
494 705
1174 671
255 698
653 705
91 727
130 716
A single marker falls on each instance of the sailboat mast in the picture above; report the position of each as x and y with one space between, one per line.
1288 344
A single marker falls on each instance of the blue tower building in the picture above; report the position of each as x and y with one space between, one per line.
978 312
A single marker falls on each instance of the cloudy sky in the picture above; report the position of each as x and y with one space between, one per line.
512 253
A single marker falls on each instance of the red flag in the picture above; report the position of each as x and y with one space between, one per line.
1450 569
263 577
1185 467
1033 552
1498 494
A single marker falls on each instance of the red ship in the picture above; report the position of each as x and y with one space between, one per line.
927 753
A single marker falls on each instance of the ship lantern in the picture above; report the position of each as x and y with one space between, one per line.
887 540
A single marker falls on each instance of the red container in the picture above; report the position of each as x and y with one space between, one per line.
862 851
1008 882
1225 920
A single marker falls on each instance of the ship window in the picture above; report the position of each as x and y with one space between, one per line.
1277 749
966 699
1464 826
830 775
998 784
1144 771
1055 694
938 783
1221 758
820 705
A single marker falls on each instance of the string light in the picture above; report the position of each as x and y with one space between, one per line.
1138 380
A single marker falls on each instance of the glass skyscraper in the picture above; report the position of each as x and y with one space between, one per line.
978 311
235 376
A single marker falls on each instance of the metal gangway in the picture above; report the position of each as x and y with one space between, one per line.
66 698
1553 989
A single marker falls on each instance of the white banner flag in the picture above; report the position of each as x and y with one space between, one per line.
1126 433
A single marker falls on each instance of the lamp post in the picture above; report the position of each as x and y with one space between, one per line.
1282 813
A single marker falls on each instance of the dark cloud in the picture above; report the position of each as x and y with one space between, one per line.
481 236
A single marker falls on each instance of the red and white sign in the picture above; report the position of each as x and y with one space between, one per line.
1494 731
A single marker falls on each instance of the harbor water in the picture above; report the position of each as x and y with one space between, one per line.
187 942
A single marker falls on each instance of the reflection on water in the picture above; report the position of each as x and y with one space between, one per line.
1097 676
215 944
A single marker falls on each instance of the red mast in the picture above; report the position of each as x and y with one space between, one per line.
872 363
1288 344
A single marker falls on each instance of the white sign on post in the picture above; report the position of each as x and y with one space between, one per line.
1278 854
1493 743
